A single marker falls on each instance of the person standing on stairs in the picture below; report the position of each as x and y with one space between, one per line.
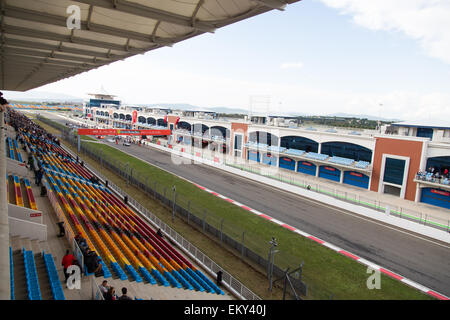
67 261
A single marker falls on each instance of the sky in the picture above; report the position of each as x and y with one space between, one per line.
388 58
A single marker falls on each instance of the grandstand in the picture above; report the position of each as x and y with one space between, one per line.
36 107
129 249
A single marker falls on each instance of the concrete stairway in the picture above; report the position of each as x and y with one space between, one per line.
20 282
20 285
44 281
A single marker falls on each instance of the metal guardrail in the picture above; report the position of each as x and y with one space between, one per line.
96 292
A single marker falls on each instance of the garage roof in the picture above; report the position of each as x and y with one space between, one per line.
38 47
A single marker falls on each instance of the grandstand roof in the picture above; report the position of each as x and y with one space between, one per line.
435 124
38 47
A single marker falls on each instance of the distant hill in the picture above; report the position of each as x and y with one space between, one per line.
182 106
190 107
40 96
360 116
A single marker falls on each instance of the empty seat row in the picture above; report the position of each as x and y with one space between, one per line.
34 292
18 191
317 156
342 161
294 152
55 282
9 149
11 273
362 164
31 199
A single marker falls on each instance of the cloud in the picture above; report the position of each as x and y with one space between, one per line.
426 21
291 65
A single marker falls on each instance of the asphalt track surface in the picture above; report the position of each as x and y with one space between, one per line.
415 257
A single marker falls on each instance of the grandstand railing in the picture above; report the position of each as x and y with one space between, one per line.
430 178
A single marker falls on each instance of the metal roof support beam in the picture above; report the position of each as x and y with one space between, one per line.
39 60
66 38
155 29
88 22
27 67
194 15
59 48
35 53
60 21
273 4
147 12
245 15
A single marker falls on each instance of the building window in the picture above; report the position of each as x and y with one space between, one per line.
238 142
425 133
394 170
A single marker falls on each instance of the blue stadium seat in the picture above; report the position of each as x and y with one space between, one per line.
294 152
342 161
316 156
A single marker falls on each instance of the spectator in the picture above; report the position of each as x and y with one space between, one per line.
39 175
82 243
77 263
159 233
3 103
92 262
124 295
111 294
219 277
62 232
104 288
67 262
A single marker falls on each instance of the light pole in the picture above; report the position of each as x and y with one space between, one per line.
273 244
174 189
